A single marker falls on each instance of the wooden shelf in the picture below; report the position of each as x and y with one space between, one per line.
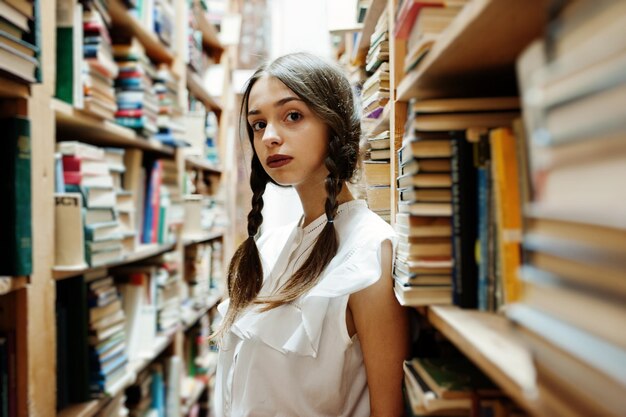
91 408
476 54
202 238
141 253
10 88
194 84
199 387
155 49
371 18
194 162
80 125
487 340
10 284
210 41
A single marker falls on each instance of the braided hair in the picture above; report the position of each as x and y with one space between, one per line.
327 92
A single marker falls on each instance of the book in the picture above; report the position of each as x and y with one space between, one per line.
453 377
425 208
587 370
425 195
69 233
414 166
423 226
69 60
425 180
424 149
464 227
377 173
15 188
417 295
508 213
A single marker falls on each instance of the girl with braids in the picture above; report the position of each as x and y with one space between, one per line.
312 327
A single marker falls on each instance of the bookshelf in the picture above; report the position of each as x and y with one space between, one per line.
492 48
141 253
28 304
464 61
72 123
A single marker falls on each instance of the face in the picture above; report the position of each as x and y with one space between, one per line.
289 139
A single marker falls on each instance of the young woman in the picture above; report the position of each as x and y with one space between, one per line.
312 327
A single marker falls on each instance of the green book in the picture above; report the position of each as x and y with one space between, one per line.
69 52
15 210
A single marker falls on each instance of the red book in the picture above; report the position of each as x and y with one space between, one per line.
72 177
408 13
71 163
129 113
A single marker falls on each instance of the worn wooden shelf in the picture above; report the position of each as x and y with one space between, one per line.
476 54
193 162
80 125
10 284
141 253
194 84
155 49
10 88
369 24
488 341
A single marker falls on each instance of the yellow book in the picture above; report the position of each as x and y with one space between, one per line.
508 210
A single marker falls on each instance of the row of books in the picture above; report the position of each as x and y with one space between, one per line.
108 320
20 43
374 97
458 191
572 86
109 74
451 385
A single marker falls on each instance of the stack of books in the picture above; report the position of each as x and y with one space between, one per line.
575 235
139 395
450 386
170 131
194 42
198 273
378 156
86 172
99 68
137 104
19 49
438 196
107 337
167 292
378 52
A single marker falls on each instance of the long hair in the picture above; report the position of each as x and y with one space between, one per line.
327 92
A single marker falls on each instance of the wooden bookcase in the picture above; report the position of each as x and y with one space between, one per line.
27 304
464 62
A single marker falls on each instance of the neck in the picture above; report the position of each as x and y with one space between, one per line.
314 200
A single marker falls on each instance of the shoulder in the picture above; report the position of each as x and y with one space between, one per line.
359 227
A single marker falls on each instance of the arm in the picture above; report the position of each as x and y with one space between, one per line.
382 326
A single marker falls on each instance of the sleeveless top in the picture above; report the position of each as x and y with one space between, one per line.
298 360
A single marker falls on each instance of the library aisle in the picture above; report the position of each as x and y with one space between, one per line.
493 143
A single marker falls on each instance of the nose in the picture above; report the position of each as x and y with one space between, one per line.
271 136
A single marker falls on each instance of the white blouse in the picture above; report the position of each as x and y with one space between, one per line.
298 359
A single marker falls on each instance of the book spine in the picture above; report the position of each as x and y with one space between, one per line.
464 230
15 213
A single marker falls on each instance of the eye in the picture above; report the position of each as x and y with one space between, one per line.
294 116
257 126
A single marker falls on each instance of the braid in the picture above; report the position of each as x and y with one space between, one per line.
245 272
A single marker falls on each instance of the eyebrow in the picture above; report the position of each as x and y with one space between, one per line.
279 103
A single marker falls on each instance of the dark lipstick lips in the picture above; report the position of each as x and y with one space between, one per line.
275 161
